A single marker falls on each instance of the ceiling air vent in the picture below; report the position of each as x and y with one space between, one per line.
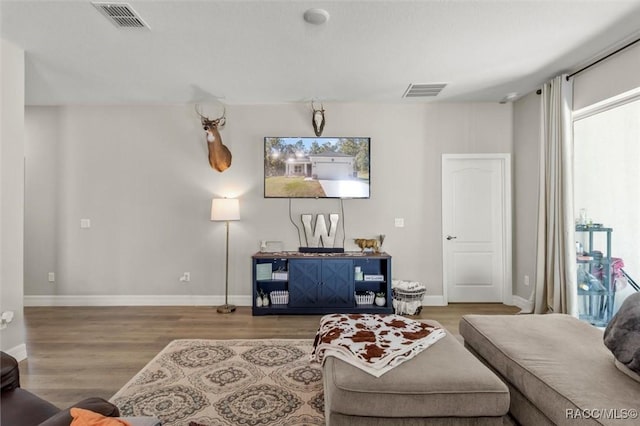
121 15
423 90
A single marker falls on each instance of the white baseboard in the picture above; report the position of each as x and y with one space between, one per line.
526 306
18 352
434 300
162 300
191 300
135 300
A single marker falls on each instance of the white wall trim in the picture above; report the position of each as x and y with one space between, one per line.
437 300
526 306
607 104
18 352
135 300
163 300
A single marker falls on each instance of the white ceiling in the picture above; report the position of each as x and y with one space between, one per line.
256 52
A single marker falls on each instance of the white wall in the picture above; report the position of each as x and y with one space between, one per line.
141 174
12 339
611 77
526 153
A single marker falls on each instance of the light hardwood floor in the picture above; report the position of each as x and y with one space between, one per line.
77 352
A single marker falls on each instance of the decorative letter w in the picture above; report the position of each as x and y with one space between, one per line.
313 236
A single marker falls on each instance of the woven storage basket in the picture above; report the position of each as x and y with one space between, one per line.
365 299
279 297
403 298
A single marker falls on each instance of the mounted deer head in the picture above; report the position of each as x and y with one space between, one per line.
317 119
219 155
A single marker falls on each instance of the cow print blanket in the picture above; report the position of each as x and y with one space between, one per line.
373 343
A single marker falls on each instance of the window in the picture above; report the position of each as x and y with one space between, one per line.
607 176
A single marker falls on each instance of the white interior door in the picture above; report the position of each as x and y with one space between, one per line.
476 226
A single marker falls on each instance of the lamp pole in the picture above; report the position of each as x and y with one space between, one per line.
226 308
225 209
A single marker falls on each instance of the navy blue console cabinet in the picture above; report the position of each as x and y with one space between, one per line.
321 283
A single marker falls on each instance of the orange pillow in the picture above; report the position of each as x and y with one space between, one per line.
82 417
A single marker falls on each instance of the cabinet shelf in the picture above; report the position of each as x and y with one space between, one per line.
593 292
603 261
287 310
321 283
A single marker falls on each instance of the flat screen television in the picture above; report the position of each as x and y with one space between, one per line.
317 167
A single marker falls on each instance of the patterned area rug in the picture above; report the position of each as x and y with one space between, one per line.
228 382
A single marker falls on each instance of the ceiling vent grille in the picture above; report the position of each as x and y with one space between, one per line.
121 15
423 90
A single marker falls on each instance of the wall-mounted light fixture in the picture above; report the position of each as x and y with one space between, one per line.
316 16
509 97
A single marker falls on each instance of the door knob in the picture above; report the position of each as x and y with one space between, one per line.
449 238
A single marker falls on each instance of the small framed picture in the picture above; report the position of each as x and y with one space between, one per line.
263 271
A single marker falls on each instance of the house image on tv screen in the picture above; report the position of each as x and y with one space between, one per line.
307 167
326 166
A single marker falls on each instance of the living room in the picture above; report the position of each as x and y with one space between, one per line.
137 170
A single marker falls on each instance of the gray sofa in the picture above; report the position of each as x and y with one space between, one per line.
556 367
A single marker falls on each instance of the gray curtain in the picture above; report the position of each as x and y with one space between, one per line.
556 287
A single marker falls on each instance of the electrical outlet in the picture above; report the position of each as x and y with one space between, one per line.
526 280
85 223
5 319
399 222
52 277
186 277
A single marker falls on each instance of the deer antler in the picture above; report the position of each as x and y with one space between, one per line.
314 108
220 121
317 119
197 107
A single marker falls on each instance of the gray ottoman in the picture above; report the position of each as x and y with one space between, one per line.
443 385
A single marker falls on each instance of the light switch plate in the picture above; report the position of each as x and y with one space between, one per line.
85 223
399 221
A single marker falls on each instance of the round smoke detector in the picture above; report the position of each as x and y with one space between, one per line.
316 16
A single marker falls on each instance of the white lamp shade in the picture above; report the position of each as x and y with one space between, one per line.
225 209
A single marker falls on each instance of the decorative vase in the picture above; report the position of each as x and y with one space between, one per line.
380 301
265 300
259 302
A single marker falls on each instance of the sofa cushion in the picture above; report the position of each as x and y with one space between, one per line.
556 361
622 335
445 380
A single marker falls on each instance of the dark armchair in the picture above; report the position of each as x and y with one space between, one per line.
21 407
